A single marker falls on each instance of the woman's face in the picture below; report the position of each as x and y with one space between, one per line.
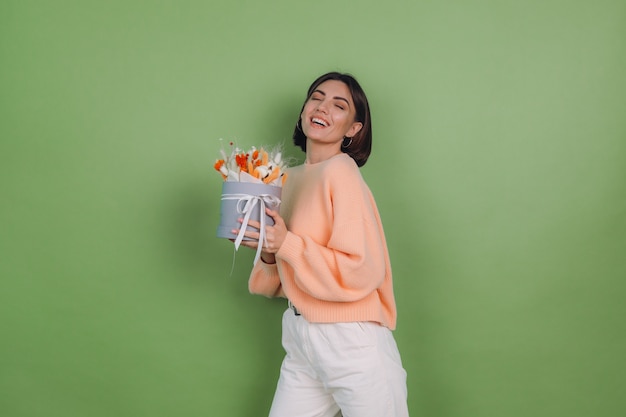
329 113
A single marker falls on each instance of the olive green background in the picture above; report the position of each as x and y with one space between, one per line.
499 167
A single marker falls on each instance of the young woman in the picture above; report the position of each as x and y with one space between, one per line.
327 254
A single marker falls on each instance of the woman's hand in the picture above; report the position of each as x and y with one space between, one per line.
274 235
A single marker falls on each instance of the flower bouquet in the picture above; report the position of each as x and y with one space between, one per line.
253 180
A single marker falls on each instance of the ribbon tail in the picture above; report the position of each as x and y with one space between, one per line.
262 238
244 225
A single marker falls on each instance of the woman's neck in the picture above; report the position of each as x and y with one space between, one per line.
316 153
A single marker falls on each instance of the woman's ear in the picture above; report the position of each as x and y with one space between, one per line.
354 129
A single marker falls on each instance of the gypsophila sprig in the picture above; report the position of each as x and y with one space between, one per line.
264 165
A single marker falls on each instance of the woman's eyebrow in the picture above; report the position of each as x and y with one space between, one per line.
336 97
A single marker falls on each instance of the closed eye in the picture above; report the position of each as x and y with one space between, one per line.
317 95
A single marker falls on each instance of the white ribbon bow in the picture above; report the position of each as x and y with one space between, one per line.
250 203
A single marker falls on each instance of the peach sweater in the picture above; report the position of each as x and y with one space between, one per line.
334 264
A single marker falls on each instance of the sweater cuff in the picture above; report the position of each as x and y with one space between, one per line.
264 280
270 269
291 249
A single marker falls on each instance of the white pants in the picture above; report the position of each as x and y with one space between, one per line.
352 368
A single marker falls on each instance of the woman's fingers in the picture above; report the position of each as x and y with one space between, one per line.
273 214
251 223
274 235
251 232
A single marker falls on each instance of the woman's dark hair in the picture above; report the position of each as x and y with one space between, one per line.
361 145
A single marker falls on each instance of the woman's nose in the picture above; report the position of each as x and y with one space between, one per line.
321 107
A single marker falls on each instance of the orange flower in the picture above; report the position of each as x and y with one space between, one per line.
242 161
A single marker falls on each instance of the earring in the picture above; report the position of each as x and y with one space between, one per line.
346 145
299 125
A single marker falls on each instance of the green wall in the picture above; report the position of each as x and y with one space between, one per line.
499 167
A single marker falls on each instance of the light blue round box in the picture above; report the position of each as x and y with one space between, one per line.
234 197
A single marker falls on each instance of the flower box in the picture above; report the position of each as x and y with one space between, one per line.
252 182
246 200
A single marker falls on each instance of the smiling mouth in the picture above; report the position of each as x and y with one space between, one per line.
319 122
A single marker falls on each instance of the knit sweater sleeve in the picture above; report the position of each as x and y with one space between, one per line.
350 264
264 280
